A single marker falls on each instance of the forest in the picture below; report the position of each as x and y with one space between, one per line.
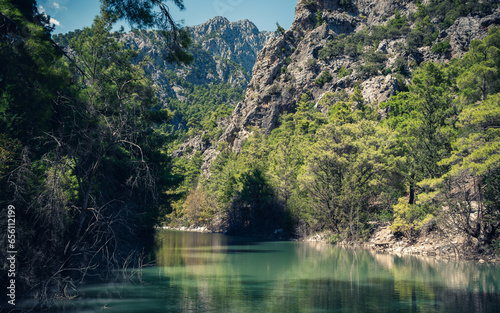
85 147
83 159
426 159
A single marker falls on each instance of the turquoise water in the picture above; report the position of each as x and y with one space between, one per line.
215 273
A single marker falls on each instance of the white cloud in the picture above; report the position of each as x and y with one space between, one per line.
52 21
55 22
56 5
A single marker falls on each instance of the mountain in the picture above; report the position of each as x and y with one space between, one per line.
223 51
335 45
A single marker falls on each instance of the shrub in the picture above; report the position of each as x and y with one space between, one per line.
319 18
441 47
368 69
274 89
333 48
375 57
199 207
311 63
325 77
205 138
279 30
386 71
345 3
401 65
409 219
343 72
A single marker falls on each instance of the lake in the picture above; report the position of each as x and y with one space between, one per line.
197 272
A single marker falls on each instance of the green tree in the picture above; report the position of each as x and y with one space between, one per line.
81 156
345 167
101 179
470 188
31 77
420 117
111 116
279 29
284 161
319 18
29 73
481 75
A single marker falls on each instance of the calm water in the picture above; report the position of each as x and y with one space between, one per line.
216 273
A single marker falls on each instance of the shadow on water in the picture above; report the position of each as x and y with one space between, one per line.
217 273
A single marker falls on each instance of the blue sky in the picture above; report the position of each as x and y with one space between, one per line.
69 15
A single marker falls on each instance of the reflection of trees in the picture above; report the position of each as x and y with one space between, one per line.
175 248
416 279
209 272
195 263
463 275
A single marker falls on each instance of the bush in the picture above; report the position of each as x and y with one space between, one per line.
319 18
496 247
409 219
311 63
441 47
343 72
401 65
199 207
334 48
345 4
368 69
375 57
325 77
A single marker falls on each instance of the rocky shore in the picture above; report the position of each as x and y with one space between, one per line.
435 243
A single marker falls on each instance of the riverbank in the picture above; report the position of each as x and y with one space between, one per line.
435 243
200 229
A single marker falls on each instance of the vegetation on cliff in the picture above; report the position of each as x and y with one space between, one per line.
428 162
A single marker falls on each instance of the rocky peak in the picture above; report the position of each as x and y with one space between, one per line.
236 41
223 51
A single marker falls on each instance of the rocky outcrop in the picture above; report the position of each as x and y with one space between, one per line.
236 41
223 51
289 65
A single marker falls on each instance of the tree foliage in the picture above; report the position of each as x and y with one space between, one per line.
447 123
333 165
81 156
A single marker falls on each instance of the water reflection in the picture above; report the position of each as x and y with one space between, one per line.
215 273
284 276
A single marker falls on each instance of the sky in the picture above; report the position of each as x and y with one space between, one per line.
68 15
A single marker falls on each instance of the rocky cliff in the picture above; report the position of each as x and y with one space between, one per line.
236 41
223 51
380 43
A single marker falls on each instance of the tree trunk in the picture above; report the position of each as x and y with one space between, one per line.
412 189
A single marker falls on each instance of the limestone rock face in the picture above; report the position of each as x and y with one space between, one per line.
238 41
288 65
223 51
